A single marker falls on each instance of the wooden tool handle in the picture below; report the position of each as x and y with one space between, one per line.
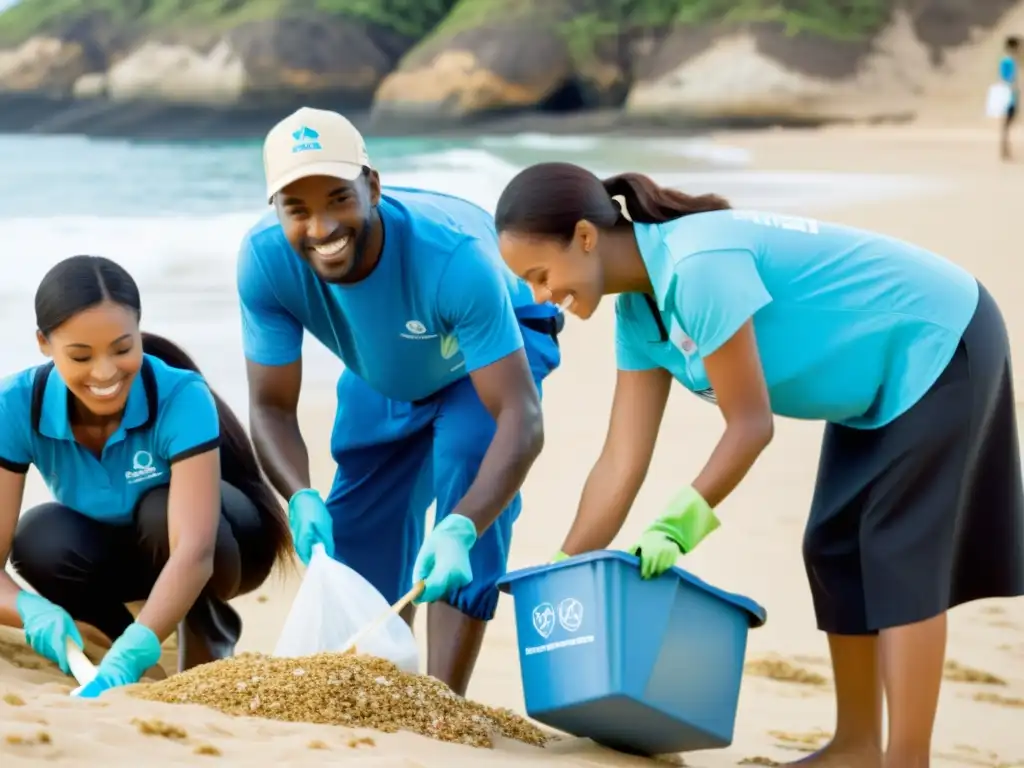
394 610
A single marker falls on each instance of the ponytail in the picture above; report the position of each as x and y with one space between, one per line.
550 199
239 466
643 201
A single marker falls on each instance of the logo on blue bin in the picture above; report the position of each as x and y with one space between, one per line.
544 619
306 139
568 615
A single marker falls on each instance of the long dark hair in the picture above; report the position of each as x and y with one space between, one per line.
80 282
549 199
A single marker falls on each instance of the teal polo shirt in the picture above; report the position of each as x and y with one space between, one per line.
852 327
170 415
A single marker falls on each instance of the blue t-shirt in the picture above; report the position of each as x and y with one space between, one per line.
440 304
852 327
170 415
1008 74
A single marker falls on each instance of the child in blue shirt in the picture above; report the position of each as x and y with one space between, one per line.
157 493
918 505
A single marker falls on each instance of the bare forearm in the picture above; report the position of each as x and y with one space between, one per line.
281 449
732 458
517 442
9 590
607 498
176 590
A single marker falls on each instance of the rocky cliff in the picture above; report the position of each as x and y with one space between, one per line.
444 62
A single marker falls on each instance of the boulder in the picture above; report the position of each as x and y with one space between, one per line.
257 62
765 72
493 56
55 57
477 71
46 64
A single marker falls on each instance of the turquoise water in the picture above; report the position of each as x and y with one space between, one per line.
174 214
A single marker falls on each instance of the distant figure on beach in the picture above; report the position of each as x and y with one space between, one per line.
1008 66
157 492
444 352
918 505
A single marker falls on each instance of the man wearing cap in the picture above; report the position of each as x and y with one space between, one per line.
444 350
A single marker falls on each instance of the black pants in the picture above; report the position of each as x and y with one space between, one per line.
91 569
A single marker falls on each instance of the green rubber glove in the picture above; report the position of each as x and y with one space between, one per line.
559 557
310 523
687 520
443 560
135 651
47 628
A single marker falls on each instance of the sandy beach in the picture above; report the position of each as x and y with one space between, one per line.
970 213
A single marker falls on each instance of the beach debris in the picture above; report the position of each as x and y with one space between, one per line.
782 671
20 740
317 744
802 742
1000 701
206 749
155 727
758 760
956 672
13 699
355 691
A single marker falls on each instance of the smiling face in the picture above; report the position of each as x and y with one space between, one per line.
98 353
330 224
568 275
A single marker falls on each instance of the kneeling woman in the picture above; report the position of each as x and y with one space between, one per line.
158 495
918 505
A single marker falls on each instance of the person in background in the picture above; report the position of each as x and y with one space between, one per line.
918 505
157 492
444 352
1008 74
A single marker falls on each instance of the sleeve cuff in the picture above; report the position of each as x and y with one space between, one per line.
13 466
188 453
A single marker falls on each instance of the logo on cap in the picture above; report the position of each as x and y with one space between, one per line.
306 139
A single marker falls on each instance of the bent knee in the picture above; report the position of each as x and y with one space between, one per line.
476 600
45 538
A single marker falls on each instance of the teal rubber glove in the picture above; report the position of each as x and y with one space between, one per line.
47 628
443 560
135 651
687 521
310 523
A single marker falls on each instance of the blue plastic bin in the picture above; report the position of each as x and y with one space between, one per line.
646 667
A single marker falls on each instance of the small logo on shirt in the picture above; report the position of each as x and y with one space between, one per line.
449 347
142 468
680 340
416 331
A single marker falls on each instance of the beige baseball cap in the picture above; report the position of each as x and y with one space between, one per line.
312 142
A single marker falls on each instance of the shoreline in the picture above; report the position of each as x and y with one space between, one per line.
43 114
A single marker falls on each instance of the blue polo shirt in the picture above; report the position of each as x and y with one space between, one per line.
440 304
1008 74
852 327
170 415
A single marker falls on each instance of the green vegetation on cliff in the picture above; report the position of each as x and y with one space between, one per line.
587 25
835 19
411 18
